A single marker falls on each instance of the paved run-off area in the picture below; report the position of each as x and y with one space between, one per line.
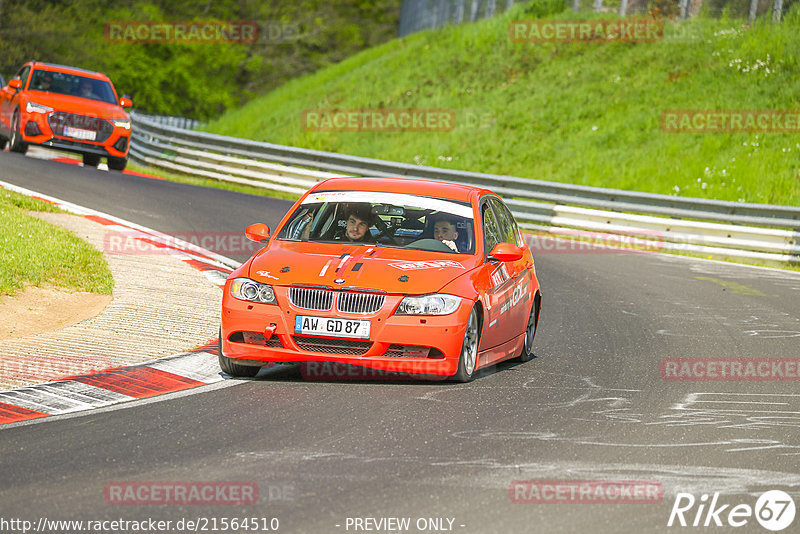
161 306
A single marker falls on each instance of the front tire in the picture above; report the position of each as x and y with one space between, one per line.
117 164
530 331
91 160
234 369
16 144
468 360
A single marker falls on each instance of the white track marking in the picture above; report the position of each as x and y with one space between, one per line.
200 366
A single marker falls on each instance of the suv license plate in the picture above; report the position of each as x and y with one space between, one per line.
80 133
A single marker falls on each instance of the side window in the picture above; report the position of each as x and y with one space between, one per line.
518 239
23 75
491 230
299 228
323 226
508 226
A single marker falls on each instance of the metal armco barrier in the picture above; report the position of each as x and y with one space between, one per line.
721 229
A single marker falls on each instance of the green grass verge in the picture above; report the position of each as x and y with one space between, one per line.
37 253
583 113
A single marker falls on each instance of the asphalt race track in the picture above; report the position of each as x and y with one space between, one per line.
592 406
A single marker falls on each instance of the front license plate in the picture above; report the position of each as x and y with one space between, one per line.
79 133
331 326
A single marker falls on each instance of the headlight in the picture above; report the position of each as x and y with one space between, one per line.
121 123
33 107
435 304
246 289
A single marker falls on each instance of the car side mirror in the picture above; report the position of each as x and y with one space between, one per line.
258 232
125 102
15 84
505 252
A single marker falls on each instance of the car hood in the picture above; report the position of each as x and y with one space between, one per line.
392 270
74 104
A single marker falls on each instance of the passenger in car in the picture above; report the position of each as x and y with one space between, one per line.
86 90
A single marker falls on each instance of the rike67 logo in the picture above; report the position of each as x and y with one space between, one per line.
774 510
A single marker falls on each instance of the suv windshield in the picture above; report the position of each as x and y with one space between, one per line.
71 84
384 219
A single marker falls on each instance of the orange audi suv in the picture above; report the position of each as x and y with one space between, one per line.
65 108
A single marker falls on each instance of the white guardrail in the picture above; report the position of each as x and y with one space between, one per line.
719 229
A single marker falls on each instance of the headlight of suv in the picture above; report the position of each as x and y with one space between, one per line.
435 304
33 107
121 123
246 289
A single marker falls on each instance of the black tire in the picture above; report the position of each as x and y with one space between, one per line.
16 144
233 368
530 331
91 160
468 360
117 164
3 143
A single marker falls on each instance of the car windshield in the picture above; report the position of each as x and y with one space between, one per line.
383 219
73 85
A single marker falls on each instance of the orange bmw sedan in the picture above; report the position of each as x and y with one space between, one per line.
65 108
398 275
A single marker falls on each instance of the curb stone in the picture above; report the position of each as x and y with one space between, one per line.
124 383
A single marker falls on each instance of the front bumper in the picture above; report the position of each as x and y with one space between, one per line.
78 147
392 344
116 145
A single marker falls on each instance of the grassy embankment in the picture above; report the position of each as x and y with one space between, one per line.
584 113
37 253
